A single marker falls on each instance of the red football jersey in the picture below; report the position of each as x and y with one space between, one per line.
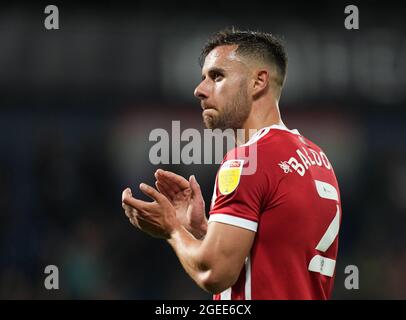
286 191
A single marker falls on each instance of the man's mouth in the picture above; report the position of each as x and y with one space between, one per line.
208 112
206 107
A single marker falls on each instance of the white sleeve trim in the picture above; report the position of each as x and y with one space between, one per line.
234 221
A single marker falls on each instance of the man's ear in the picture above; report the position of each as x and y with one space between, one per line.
261 82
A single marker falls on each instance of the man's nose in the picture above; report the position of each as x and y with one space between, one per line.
200 92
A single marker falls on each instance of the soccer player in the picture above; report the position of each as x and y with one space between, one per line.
272 233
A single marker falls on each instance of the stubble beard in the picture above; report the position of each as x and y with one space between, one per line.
234 114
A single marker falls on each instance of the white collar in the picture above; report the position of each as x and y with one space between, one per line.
283 127
263 131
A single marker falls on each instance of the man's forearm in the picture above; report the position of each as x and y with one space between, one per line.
188 250
195 260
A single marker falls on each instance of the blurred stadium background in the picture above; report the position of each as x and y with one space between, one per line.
77 106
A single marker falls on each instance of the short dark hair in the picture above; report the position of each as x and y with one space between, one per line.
260 45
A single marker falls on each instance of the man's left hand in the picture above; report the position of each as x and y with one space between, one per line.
157 218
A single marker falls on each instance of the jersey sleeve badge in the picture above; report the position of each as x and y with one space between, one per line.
229 176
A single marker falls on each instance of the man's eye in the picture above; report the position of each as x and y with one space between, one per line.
217 77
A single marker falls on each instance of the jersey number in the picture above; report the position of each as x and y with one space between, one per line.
318 263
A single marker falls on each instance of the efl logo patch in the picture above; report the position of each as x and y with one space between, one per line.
229 176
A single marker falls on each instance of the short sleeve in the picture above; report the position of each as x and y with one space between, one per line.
239 193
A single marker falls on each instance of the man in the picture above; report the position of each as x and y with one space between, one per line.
272 234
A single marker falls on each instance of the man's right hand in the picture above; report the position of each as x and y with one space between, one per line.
187 199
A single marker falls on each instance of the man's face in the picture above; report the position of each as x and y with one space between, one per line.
223 90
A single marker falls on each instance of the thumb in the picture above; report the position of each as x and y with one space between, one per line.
194 185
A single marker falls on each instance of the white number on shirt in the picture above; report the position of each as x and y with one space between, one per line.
319 263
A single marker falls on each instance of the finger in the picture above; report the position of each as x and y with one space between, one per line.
124 206
134 222
130 212
127 211
176 181
163 179
159 187
142 222
138 214
195 186
136 203
167 188
164 189
152 193
126 193
159 172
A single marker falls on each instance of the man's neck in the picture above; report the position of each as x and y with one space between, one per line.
258 120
